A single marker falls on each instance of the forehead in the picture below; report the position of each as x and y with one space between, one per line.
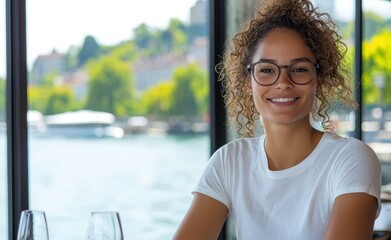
282 46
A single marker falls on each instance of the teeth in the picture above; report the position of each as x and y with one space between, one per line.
282 99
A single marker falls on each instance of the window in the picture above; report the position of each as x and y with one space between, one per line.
377 81
3 132
118 112
342 12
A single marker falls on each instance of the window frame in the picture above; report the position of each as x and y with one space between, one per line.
17 134
16 101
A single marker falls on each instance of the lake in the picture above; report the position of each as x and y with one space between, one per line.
147 178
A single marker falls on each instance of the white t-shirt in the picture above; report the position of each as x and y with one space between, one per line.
294 203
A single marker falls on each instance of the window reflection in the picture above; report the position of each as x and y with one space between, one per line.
117 124
3 140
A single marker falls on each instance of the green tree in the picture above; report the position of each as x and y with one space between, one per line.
173 38
373 23
184 102
90 50
60 100
38 97
157 100
109 87
125 51
377 62
142 36
71 57
49 79
179 36
167 41
52 100
200 86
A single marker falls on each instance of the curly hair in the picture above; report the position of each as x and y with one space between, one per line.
319 33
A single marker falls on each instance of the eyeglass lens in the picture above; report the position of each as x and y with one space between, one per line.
266 73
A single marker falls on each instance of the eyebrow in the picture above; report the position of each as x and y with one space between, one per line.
295 60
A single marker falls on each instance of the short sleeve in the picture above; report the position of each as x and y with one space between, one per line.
213 181
358 169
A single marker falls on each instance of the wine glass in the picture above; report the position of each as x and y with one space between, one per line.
104 225
33 225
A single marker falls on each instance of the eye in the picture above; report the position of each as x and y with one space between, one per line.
266 69
299 69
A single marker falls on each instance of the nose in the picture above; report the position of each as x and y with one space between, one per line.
283 81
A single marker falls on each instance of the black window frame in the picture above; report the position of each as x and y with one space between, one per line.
17 105
16 112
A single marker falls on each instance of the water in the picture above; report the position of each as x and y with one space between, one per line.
3 187
148 179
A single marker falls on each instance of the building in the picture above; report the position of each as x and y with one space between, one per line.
45 64
199 13
150 71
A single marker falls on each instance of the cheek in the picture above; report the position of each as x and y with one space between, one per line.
258 98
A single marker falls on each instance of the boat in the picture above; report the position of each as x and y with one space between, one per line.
82 123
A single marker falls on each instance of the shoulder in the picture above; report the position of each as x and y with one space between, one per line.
347 146
350 153
355 167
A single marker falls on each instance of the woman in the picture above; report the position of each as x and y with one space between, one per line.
293 182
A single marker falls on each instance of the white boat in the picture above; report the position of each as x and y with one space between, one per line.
82 123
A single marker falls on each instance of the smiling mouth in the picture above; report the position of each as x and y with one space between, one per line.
282 100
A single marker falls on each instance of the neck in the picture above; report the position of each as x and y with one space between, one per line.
287 145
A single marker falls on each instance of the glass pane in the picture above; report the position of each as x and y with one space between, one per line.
118 112
3 132
377 81
342 13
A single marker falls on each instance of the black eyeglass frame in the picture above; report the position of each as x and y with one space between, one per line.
250 68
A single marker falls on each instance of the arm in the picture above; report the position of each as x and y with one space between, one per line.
352 217
204 219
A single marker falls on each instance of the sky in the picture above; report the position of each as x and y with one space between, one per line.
58 24
344 9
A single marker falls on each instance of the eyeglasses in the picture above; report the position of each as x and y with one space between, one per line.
267 73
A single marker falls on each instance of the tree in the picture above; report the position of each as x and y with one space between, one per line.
185 95
200 86
179 35
60 100
125 51
184 102
109 87
71 57
142 36
38 97
174 38
157 100
377 61
373 23
52 100
90 50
